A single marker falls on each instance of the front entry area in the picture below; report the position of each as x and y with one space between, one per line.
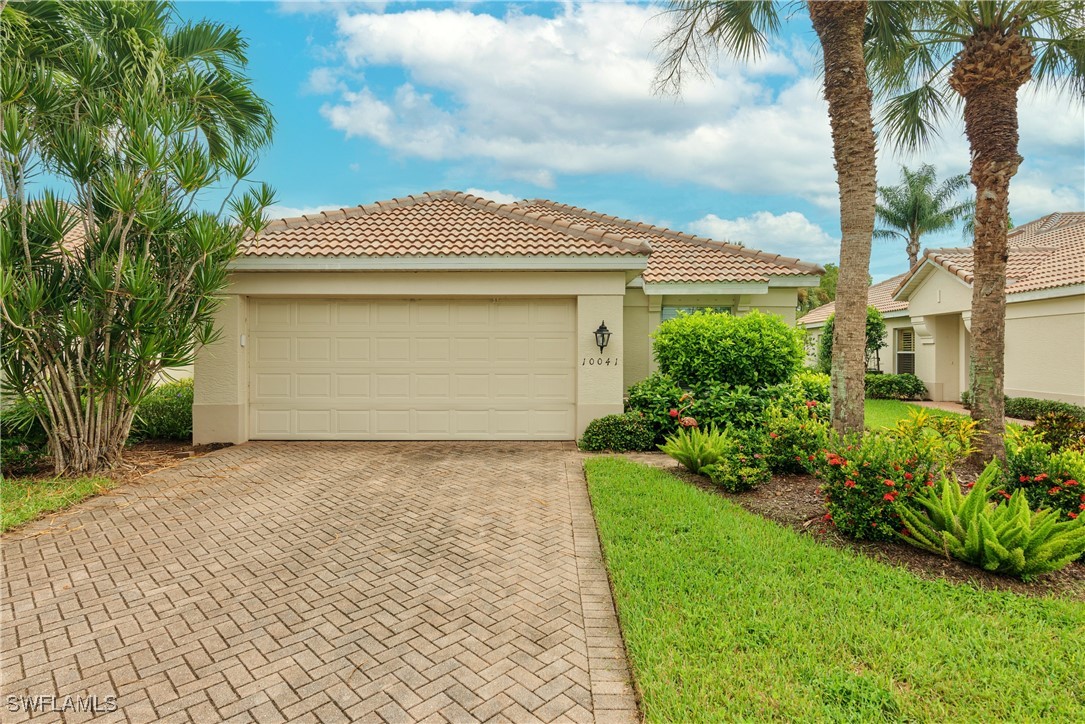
412 369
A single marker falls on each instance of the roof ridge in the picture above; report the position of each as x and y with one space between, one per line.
347 212
682 236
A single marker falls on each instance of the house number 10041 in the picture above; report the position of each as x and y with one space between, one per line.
599 361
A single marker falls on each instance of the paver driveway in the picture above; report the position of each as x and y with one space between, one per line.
323 581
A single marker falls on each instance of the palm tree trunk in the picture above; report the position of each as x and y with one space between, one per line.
839 25
988 74
913 249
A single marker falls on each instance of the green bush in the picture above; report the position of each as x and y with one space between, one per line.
696 449
737 477
1061 430
1005 537
23 442
721 406
895 387
654 397
875 339
621 433
796 435
166 413
1046 480
1029 408
705 348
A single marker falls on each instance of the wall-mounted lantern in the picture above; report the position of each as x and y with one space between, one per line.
602 337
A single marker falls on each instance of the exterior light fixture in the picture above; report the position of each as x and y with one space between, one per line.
602 337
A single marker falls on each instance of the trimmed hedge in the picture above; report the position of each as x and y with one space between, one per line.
1029 408
627 432
166 413
895 387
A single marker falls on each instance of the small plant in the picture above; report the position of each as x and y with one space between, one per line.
655 397
1046 480
695 448
949 439
737 477
621 433
796 436
166 413
1061 430
1005 537
895 387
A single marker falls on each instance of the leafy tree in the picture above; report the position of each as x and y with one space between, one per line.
920 205
979 53
823 293
875 339
742 29
117 121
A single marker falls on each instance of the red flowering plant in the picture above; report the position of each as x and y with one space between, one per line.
1048 480
797 433
864 479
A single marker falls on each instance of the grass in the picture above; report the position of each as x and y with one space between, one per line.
24 499
886 413
728 616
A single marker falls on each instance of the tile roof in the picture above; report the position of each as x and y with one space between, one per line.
1046 253
683 258
439 223
879 296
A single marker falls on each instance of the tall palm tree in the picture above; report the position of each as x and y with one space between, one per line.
743 29
920 205
980 53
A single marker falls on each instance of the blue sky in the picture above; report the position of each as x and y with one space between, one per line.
507 100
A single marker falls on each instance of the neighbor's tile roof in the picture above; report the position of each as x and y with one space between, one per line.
1043 254
879 296
684 258
437 224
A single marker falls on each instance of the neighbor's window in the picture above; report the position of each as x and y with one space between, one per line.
905 351
672 312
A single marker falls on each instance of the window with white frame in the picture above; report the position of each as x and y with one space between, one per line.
905 351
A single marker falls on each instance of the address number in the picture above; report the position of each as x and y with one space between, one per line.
598 361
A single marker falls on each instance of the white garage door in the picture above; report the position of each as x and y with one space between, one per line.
438 369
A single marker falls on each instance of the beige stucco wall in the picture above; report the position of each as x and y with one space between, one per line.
1045 349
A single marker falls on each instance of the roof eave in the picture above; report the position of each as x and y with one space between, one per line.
474 262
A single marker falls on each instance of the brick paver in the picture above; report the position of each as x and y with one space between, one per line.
323 582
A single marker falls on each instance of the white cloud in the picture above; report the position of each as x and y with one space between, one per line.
498 196
278 211
789 234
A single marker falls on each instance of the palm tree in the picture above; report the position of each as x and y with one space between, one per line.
920 205
743 29
980 53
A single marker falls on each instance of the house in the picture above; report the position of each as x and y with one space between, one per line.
1045 314
447 316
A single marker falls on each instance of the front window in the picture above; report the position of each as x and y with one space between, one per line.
905 351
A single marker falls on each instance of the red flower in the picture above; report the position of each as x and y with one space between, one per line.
1004 494
811 457
889 482
908 476
773 435
673 412
1024 479
1073 516
828 516
849 483
1041 476
1068 483
1054 491
811 403
890 496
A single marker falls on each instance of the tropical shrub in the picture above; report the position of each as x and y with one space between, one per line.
695 448
806 385
756 350
1005 537
875 339
895 387
1047 480
1029 408
795 436
722 406
165 414
654 397
947 438
736 476
621 433
865 477
1061 430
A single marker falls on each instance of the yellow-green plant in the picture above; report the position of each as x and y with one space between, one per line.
696 449
1004 537
950 438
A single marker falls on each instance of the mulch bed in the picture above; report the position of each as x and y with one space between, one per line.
139 459
793 500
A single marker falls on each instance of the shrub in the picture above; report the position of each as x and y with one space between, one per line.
166 413
875 339
654 397
756 350
1005 537
1046 480
895 387
737 477
806 385
721 406
1061 430
23 441
1029 408
866 477
696 449
947 438
620 433
796 435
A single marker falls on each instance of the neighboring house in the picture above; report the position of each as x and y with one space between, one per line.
898 354
1045 313
447 316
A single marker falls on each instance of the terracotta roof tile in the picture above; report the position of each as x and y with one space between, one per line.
879 296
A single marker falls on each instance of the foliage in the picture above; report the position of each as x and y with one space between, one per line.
866 477
805 386
823 293
895 387
1029 408
1061 430
630 431
654 397
24 499
947 438
847 637
720 406
875 339
165 414
22 438
1005 537
704 348
734 476
696 448
920 205
796 435
137 117
1046 480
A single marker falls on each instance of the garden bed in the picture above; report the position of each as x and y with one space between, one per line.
793 500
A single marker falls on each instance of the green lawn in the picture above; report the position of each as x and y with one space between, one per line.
886 413
728 616
23 499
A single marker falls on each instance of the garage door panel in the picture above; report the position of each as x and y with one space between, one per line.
398 369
